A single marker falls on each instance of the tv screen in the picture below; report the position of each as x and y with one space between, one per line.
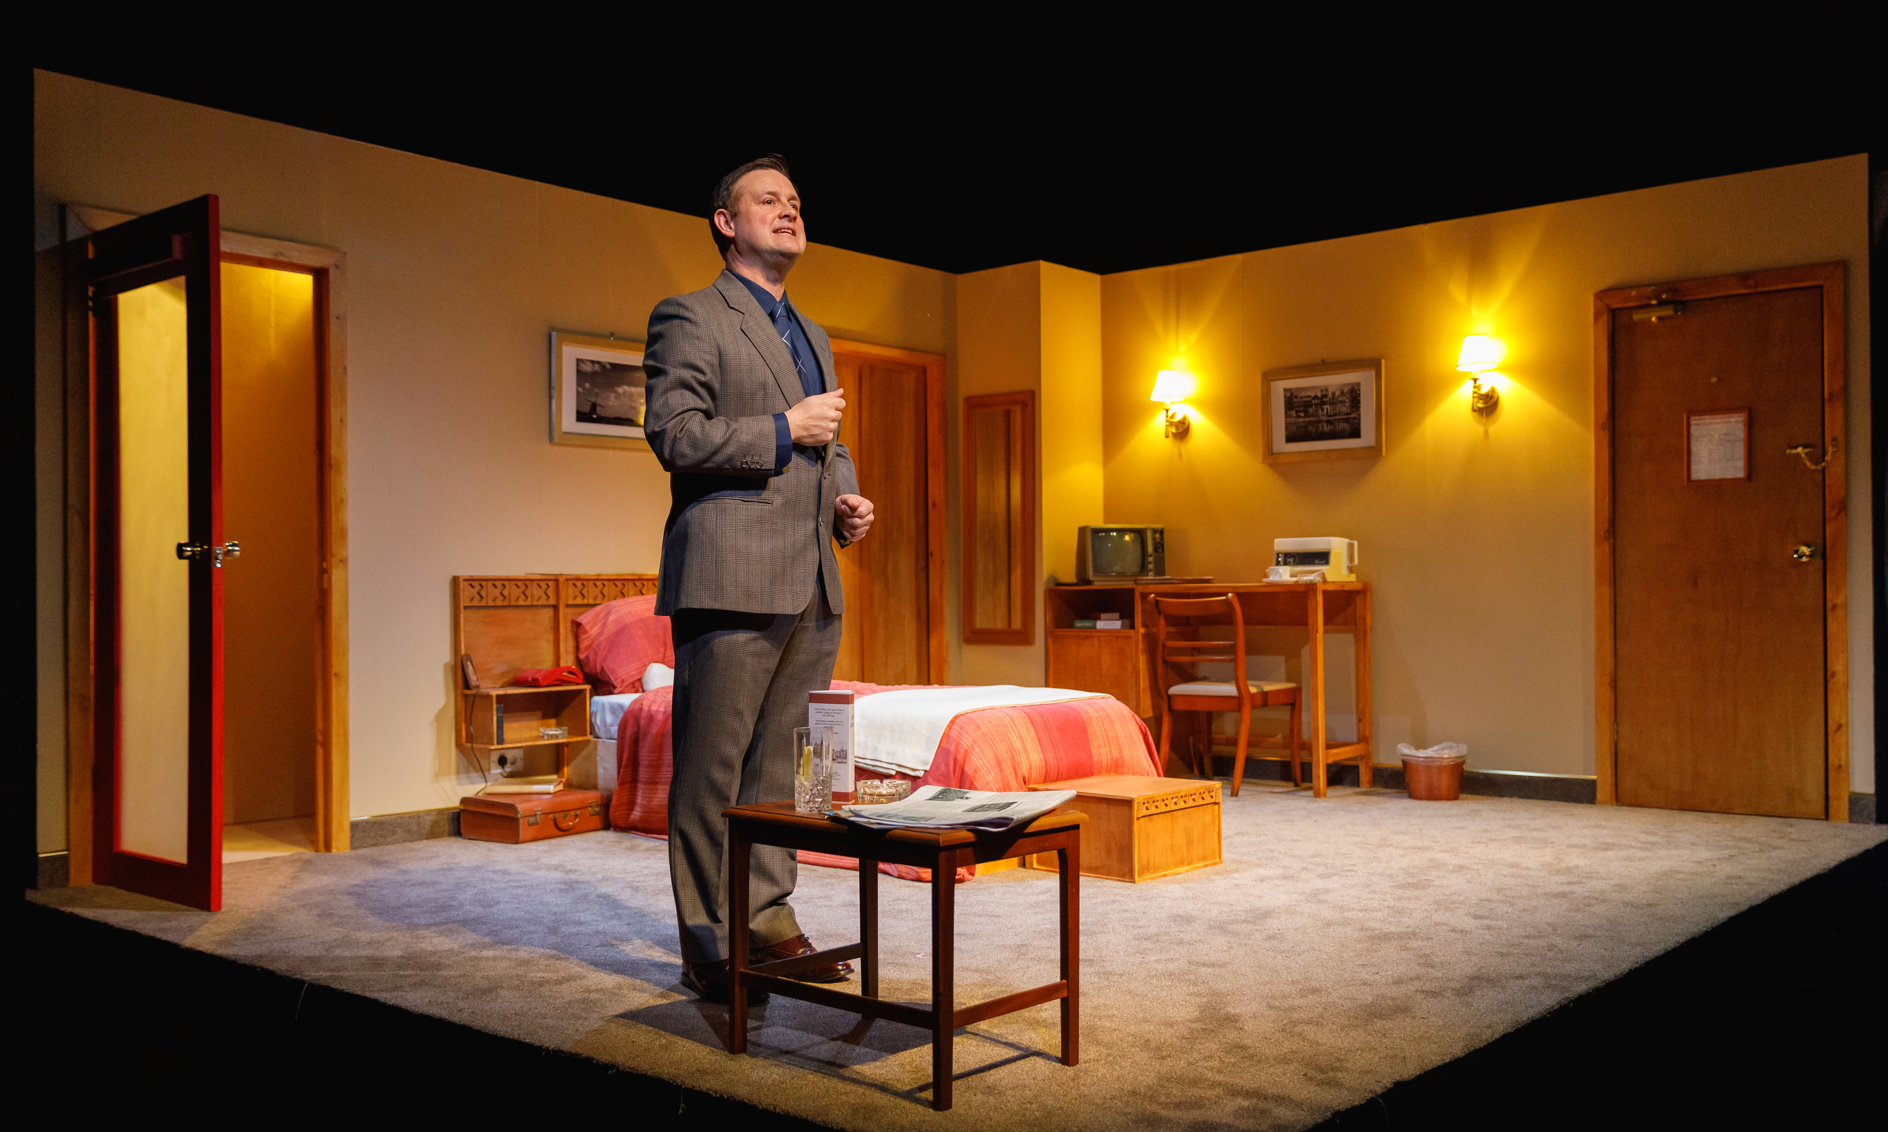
1116 552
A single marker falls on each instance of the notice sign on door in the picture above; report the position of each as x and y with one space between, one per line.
1717 445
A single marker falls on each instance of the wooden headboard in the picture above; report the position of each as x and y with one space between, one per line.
514 621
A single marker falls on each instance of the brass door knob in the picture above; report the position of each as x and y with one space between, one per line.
1805 552
193 551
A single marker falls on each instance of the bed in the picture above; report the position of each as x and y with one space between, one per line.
624 651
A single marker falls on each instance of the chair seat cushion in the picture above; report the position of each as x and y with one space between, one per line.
1209 688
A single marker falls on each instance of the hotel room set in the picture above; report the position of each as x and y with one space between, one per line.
1000 738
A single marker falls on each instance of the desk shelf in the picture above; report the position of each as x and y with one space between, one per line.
1063 606
1094 660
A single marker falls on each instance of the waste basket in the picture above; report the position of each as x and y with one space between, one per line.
1435 774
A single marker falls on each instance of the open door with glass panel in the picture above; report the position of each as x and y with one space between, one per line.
158 553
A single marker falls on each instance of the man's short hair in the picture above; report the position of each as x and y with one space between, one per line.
724 194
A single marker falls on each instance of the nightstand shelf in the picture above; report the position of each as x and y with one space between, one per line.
524 711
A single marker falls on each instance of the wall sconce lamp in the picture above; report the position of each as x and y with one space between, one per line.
1171 387
1480 353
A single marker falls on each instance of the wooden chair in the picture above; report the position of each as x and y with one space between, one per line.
1241 694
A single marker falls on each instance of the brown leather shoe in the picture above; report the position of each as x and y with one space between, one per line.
797 946
710 981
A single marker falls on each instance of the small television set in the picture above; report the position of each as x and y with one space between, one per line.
1120 552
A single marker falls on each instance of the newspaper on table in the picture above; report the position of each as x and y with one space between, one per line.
947 807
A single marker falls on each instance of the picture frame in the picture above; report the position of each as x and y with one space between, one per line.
1327 411
597 391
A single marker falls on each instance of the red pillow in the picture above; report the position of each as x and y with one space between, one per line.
618 639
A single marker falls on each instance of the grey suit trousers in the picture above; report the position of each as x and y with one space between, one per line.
740 689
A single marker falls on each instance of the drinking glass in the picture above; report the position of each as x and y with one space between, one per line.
812 769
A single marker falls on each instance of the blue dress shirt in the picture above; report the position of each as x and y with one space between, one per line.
805 362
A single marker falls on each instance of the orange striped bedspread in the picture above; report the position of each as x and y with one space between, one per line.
1002 748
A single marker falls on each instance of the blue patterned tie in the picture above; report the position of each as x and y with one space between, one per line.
783 325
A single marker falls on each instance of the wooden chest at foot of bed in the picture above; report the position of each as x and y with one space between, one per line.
1140 827
516 818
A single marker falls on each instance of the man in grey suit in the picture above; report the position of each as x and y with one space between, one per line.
743 414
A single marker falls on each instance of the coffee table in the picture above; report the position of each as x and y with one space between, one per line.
941 851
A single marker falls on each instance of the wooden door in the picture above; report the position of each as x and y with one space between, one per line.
893 577
153 290
1722 668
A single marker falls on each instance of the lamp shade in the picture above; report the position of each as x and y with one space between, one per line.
1171 385
1480 353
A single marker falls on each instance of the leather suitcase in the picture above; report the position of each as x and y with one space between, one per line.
517 818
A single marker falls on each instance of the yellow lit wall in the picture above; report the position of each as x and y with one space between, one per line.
1477 536
998 350
1071 414
271 594
1034 326
456 277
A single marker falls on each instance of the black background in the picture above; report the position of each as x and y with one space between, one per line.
964 146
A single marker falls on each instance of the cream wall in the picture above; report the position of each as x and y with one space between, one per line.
1477 537
455 277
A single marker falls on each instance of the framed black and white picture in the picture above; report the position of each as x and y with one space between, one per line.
597 394
1327 411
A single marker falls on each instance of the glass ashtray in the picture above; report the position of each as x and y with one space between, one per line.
879 791
553 732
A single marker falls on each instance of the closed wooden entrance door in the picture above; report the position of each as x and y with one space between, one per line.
893 578
1721 546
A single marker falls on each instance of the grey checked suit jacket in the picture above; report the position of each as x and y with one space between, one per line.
739 535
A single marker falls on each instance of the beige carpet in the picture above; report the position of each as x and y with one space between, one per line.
1344 945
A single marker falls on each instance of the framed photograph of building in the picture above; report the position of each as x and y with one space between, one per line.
1331 410
596 391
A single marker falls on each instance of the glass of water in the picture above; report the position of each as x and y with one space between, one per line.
812 769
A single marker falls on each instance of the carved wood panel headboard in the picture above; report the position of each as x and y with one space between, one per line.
508 622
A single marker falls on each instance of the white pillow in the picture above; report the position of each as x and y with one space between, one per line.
657 675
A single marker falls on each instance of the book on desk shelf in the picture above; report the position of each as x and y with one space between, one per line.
1100 623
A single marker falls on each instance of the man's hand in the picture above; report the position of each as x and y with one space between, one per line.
814 421
855 516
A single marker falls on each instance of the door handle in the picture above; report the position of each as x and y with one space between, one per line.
196 552
1805 552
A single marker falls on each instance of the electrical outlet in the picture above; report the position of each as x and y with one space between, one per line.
507 762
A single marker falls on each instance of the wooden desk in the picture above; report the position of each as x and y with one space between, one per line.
1122 663
941 851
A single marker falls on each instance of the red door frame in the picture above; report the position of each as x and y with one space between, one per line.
184 240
